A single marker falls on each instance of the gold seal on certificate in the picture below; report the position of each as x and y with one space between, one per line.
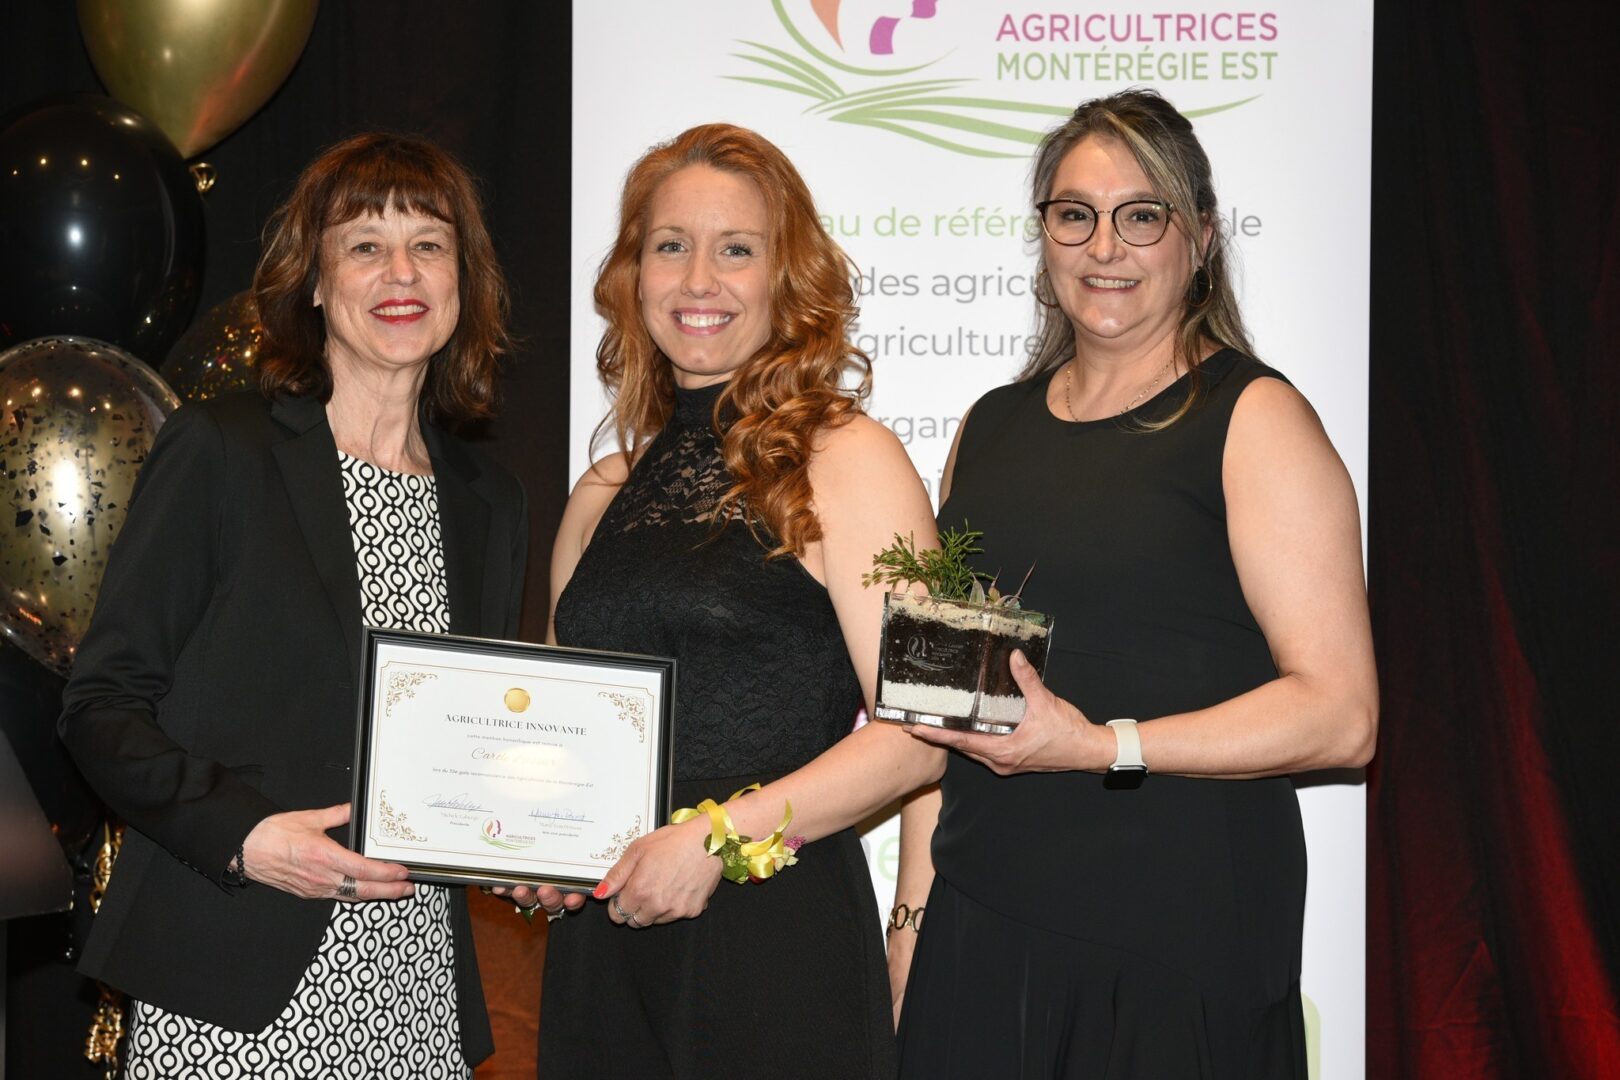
495 762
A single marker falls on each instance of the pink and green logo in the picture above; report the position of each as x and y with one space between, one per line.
496 836
860 73
880 38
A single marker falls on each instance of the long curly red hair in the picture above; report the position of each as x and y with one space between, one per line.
776 402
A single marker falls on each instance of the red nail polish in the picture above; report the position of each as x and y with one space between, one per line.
600 890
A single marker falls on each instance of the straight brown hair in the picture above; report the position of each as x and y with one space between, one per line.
366 175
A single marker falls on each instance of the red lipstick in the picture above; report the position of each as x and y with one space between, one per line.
400 310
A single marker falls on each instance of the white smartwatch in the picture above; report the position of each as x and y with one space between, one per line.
1128 770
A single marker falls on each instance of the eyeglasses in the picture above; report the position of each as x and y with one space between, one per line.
1070 222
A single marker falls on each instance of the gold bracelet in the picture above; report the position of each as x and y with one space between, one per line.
904 915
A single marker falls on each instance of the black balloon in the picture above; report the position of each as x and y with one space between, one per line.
101 227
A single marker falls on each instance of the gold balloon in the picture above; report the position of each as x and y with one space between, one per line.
196 68
219 353
77 418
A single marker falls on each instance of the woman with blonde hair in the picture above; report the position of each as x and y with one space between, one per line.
731 532
1117 889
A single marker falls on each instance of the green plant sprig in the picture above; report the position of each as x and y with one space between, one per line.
943 570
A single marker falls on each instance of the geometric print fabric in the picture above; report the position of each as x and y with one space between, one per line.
379 997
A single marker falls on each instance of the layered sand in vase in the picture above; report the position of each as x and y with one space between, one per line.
948 663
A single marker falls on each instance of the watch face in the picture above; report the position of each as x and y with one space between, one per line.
1124 777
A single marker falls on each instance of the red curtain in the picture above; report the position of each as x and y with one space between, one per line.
1494 552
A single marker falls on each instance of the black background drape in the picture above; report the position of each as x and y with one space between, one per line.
1494 883
490 81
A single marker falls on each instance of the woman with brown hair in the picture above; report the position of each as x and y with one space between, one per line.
731 532
212 702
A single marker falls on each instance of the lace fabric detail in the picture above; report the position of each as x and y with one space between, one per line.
764 681
684 480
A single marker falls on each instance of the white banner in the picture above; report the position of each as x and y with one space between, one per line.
913 122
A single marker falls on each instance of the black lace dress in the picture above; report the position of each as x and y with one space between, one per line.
786 977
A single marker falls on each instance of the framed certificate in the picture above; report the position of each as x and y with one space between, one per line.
494 762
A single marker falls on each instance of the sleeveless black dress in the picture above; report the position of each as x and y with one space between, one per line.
1076 931
786 977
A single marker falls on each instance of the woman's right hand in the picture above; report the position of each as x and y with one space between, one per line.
292 852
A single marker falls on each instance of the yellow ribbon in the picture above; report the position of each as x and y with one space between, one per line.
744 858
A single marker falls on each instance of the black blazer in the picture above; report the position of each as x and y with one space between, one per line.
216 686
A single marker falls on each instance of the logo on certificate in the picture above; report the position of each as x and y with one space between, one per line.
495 835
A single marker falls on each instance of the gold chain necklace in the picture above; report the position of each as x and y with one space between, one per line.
1068 380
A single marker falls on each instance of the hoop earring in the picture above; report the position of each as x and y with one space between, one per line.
1035 290
1201 290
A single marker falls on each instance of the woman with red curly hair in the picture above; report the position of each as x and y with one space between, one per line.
731 532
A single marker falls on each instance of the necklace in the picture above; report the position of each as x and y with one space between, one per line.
1068 380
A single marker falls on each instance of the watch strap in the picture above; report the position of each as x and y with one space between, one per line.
1128 740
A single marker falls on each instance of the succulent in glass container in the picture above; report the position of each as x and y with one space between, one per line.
946 657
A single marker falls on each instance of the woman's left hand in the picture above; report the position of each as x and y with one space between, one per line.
663 876
1054 736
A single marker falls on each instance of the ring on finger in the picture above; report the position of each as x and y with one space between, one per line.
623 914
347 888
630 921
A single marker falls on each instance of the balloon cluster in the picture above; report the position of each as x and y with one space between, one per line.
101 257
77 418
219 353
197 68
101 227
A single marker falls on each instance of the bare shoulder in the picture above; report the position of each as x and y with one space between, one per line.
1269 406
611 472
860 451
865 487
590 498
1277 448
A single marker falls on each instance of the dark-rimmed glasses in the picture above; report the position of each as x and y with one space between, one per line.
1139 223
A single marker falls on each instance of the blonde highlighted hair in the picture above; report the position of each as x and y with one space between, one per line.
1163 143
775 403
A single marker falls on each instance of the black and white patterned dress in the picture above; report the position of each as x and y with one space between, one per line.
379 997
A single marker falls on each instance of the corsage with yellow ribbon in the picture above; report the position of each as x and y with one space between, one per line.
744 859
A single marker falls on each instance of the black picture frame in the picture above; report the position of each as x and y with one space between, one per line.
453 646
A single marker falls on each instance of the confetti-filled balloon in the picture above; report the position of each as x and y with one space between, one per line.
77 419
219 353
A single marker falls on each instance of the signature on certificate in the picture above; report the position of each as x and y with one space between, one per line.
462 801
560 815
